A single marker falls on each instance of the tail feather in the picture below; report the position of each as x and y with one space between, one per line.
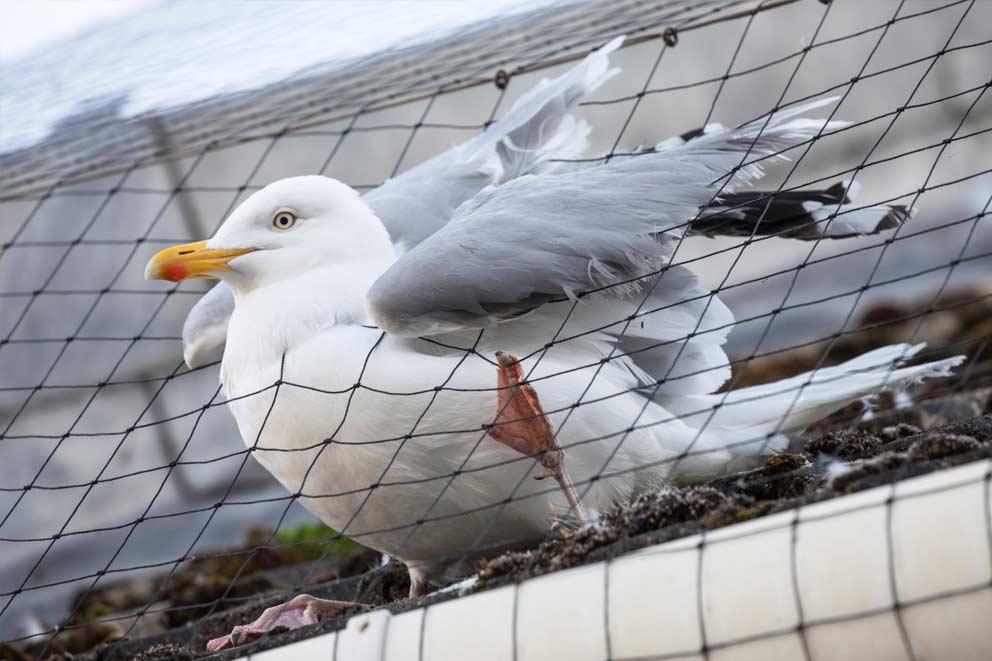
743 425
790 405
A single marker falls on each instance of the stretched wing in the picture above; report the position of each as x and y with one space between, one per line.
538 128
807 215
415 204
540 238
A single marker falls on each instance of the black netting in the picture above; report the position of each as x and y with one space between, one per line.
127 487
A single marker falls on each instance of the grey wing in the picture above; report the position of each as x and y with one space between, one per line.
807 215
413 205
538 128
539 238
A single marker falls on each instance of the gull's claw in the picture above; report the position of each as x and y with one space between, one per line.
299 611
523 426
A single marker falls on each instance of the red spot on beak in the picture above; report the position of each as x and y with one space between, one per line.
174 272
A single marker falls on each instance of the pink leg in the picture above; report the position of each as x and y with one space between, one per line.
418 581
523 426
295 613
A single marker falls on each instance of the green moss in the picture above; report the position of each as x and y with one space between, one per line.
315 540
785 462
737 511
96 610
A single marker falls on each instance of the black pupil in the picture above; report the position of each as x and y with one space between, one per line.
283 220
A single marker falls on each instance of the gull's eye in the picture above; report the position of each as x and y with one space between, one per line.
283 220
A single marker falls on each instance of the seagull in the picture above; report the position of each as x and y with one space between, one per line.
406 362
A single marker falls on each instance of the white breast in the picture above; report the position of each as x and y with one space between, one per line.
374 460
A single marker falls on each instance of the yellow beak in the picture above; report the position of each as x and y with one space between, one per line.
190 260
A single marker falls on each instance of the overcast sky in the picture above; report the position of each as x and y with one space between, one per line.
30 25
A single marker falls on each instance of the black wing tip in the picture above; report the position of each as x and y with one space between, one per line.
897 215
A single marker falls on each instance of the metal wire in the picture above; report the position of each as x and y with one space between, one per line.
71 168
